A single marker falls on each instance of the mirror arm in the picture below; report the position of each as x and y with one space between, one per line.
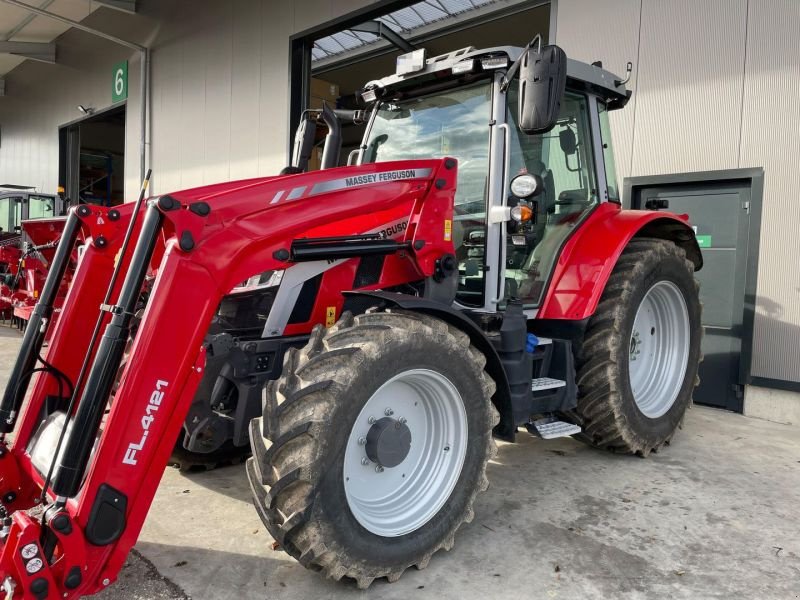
509 76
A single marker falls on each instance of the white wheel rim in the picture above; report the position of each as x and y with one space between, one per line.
398 500
659 349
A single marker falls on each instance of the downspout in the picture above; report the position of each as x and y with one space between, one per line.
144 57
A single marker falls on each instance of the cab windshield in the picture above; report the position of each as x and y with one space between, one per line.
449 123
456 123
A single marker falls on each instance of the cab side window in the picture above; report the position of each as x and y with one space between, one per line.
10 213
41 207
564 160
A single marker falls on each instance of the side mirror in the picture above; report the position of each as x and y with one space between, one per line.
542 80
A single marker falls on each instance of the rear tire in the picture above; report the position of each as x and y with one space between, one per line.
302 472
625 405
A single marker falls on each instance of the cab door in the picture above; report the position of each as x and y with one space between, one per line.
564 159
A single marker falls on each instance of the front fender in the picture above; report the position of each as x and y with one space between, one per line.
590 254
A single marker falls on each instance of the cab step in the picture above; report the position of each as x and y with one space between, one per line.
546 383
549 428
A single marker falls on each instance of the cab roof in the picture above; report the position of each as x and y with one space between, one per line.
580 75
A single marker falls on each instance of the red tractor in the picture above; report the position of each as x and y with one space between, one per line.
29 231
472 273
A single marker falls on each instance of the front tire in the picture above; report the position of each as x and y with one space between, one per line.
637 364
408 379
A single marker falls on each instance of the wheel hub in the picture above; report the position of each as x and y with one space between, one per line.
388 442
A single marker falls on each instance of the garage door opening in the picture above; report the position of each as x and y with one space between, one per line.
331 64
92 158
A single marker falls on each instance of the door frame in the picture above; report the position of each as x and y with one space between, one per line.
754 178
69 147
300 45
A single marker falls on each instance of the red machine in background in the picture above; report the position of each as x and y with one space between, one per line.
24 261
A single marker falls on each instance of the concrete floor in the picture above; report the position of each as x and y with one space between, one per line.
713 516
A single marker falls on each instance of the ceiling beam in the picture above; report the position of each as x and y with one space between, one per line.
128 6
25 22
34 50
382 30
77 25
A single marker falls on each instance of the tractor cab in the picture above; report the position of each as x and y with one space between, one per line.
21 203
519 195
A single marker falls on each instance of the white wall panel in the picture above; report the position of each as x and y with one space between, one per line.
273 111
688 109
606 30
218 92
771 139
246 107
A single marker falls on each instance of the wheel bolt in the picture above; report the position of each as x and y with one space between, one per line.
388 412
403 420
365 461
379 469
371 420
362 441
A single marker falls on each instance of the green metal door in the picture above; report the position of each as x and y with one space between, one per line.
720 215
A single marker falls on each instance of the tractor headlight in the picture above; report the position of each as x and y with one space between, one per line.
525 185
262 280
42 447
494 62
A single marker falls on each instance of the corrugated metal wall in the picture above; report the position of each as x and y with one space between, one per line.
716 86
771 138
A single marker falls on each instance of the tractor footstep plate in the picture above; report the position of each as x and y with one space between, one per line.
550 428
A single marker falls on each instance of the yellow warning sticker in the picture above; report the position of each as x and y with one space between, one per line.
330 316
448 230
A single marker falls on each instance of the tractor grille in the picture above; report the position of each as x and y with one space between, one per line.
246 313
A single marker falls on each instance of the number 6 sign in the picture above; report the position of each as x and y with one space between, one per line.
119 89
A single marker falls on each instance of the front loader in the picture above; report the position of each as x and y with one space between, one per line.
471 274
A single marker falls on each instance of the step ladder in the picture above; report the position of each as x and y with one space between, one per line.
541 384
549 428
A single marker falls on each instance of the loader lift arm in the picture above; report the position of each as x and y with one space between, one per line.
199 244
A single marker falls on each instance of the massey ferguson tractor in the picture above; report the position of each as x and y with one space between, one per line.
471 274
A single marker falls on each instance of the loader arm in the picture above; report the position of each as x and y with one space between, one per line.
190 249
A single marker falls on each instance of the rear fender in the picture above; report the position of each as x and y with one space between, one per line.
360 301
589 256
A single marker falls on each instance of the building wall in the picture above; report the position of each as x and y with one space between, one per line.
41 97
219 95
715 86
